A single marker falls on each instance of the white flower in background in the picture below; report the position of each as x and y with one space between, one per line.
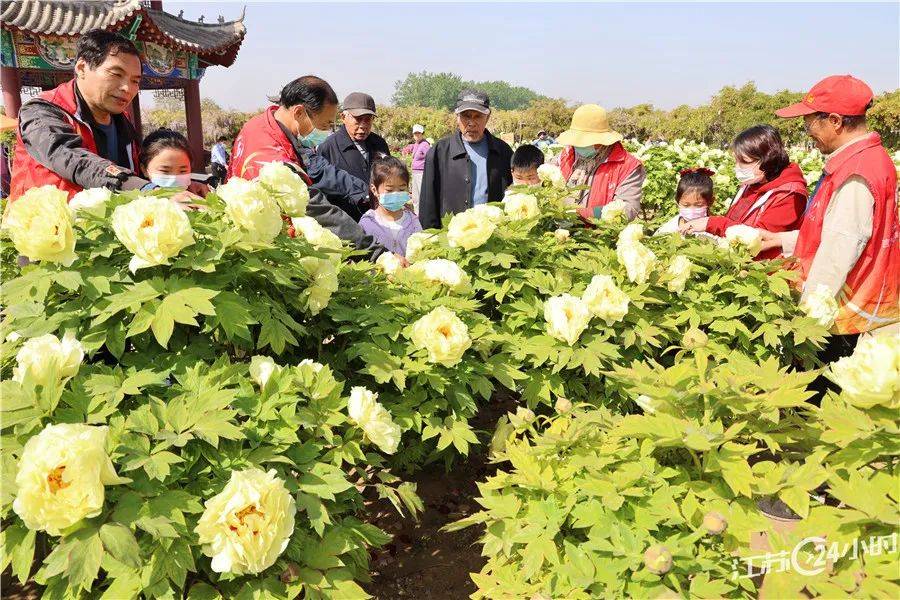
442 271
614 210
443 334
721 180
246 526
315 366
743 235
153 229
680 271
521 206
871 376
61 477
561 235
489 211
468 230
389 263
551 174
40 225
632 233
289 189
317 236
252 209
261 369
567 317
46 358
91 201
605 300
821 305
416 242
638 260
374 419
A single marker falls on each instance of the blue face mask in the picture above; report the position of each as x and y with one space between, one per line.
585 151
394 200
171 181
313 138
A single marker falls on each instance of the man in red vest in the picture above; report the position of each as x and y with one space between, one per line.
848 241
595 157
77 136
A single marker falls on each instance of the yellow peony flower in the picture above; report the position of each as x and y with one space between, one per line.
261 369
442 271
246 526
489 211
743 235
821 305
40 225
638 260
469 230
288 188
45 358
416 242
61 476
92 201
152 229
521 206
632 233
614 211
871 376
567 317
323 273
308 362
373 419
389 263
680 271
251 209
551 174
605 300
443 334
317 236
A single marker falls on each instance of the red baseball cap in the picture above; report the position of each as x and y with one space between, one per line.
839 94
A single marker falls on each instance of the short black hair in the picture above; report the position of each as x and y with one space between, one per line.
527 156
222 138
162 139
763 143
310 91
695 181
97 44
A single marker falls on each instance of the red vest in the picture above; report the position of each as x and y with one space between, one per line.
261 140
869 298
609 175
28 173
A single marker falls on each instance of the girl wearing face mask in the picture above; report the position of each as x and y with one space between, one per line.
166 160
773 191
694 197
392 220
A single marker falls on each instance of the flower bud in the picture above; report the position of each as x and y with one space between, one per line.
658 560
563 405
694 338
561 235
715 523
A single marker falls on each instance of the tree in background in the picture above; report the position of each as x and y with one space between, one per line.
217 121
440 90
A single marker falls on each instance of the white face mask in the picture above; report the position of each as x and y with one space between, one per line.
689 213
749 175
164 180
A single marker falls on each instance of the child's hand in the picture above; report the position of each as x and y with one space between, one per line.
694 226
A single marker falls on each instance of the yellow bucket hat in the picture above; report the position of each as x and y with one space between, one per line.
590 126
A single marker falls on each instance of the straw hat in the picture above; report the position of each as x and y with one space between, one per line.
590 126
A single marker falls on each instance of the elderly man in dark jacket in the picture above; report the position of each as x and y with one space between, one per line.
353 148
466 168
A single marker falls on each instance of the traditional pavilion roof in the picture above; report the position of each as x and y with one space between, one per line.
215 43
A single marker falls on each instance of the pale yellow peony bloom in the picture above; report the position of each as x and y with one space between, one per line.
680 271
613 211
746 236
551 174
567 317
521 206
261 369
61 477
374 419
871 376
469 230
443 334
605 300
45 358
821 305
246 526
632 233
288 188
153 229
323 273
40 225
638 260
251 209
416 242
561 235
389 263
442 271
308 362
92 201
489 211
317 236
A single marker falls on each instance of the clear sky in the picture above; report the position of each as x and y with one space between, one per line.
614 54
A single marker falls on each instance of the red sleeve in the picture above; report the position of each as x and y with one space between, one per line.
784 212
718 224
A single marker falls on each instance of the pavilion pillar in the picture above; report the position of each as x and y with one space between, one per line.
136 115
12 91
194 123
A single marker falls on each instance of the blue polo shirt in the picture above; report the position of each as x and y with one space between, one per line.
478 155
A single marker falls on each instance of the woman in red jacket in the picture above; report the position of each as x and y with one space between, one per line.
773 191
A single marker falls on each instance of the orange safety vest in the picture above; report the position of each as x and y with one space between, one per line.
607 178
